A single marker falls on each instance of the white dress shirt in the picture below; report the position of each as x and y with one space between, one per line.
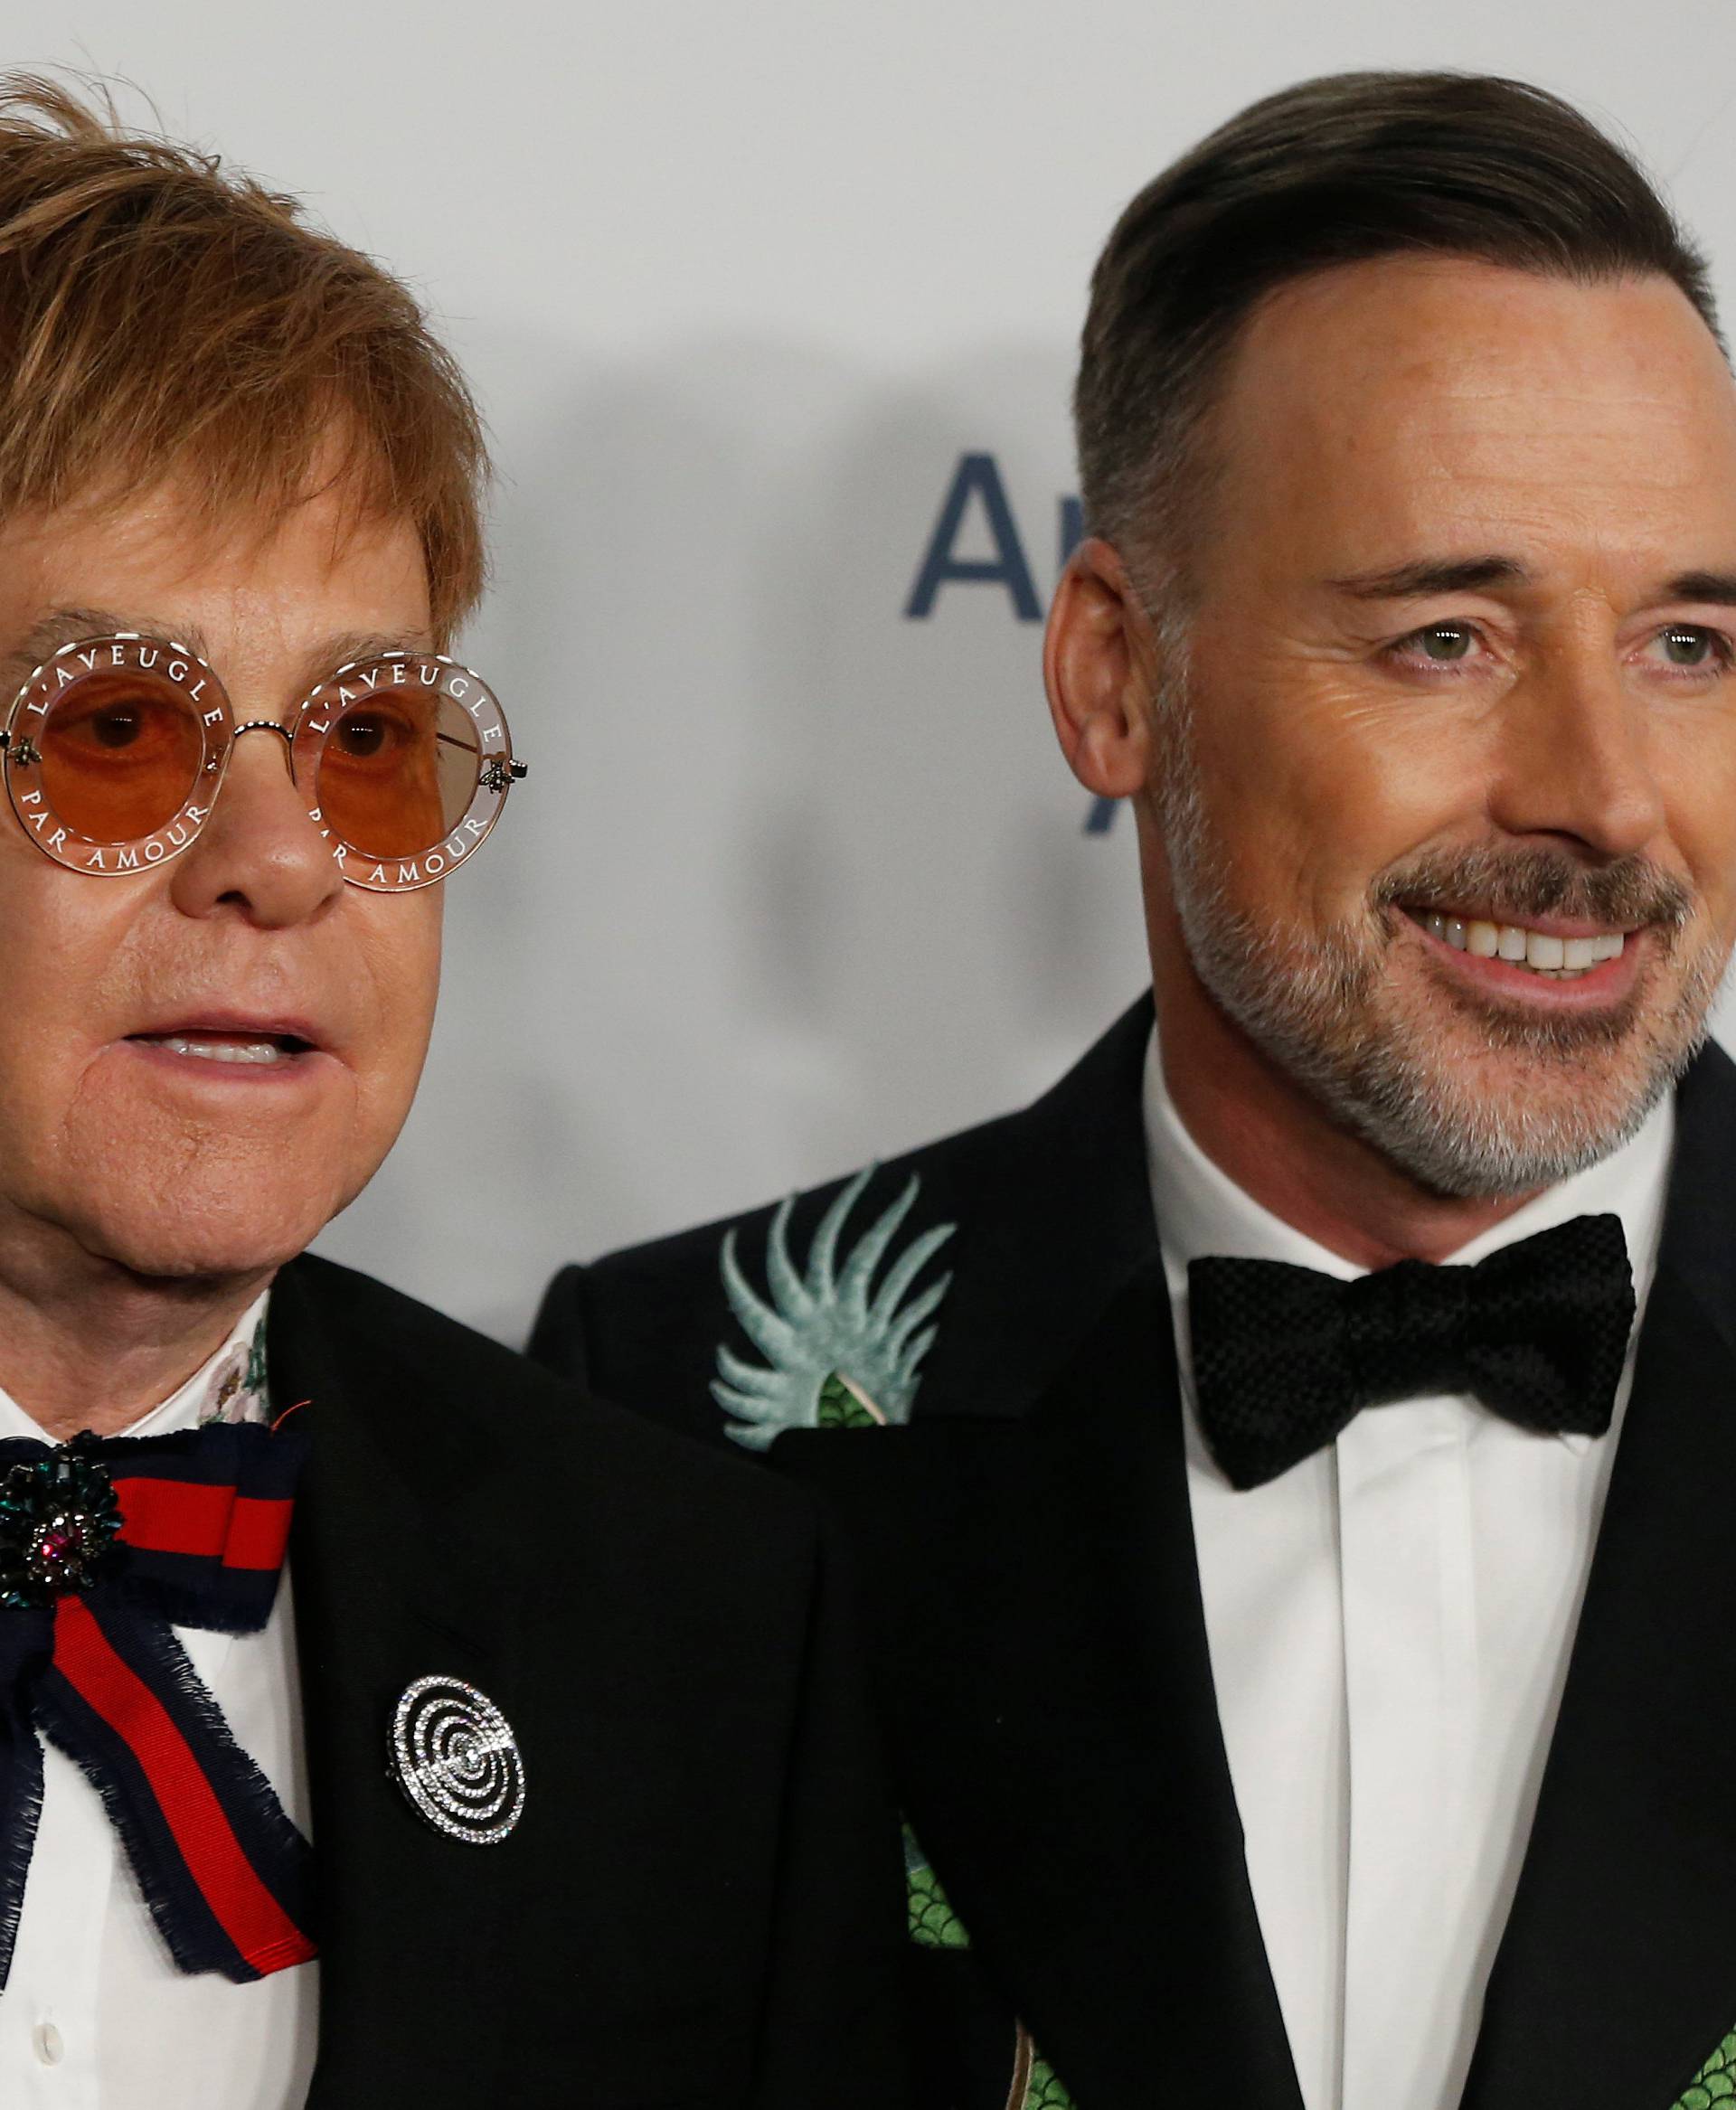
1389 1625
94 2015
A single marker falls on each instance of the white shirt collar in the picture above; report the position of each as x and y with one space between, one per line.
228 1386
1200 1209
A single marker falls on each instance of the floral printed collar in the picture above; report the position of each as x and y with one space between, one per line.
231 1386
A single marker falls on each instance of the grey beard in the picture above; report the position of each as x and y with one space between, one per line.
1308 1006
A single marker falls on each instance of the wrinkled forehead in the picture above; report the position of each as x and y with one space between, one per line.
266 601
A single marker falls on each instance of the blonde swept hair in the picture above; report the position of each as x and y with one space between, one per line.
163 315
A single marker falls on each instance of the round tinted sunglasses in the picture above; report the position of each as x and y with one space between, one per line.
115 749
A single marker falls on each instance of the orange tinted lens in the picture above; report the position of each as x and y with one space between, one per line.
398 772
121 752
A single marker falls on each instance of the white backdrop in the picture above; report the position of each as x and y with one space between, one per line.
796 878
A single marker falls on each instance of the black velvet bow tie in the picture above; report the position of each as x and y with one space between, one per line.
1284 1358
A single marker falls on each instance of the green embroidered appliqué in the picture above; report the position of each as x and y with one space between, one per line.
934 1924
839 1406
1715 2083
1043 2091
832 1323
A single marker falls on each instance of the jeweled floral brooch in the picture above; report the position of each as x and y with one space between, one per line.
58 1520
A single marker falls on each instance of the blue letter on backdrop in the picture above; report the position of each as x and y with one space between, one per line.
976 473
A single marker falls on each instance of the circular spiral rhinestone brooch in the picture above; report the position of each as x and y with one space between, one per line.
454 1755
58 1522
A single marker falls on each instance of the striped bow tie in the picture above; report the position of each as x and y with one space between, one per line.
105 1544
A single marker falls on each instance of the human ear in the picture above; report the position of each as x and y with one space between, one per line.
1099 665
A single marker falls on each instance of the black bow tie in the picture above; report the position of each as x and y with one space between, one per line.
1284 1358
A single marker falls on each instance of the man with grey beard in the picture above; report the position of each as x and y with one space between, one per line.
1284 1458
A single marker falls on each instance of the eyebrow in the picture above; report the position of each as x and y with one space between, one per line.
1717 586
45 638
350 645
68 627
1427 576
1432 576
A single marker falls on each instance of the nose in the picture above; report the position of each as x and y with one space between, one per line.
1574 760
259 856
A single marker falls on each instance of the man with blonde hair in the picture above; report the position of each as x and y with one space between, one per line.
540 1778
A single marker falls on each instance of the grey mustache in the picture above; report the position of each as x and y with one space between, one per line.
1512 885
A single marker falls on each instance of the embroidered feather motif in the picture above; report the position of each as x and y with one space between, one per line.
838 1349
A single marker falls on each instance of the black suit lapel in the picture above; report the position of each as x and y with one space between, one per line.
1617 1976
1049 1696
388 1587
1053 1211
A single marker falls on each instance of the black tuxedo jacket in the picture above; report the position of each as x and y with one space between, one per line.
702 1903
1041 1657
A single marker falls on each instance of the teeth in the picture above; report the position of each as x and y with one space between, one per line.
224 1050
1557 959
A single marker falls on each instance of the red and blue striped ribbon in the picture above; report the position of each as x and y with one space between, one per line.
205 1519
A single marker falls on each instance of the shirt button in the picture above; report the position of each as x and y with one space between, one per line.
47 2042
